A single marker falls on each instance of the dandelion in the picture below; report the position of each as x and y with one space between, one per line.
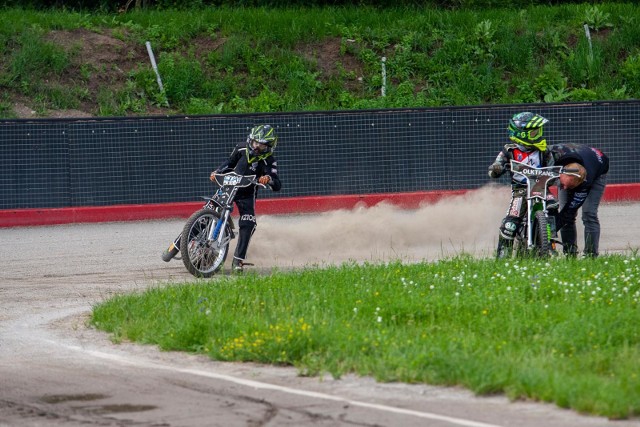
379 319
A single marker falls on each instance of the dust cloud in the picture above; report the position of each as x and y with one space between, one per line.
454 225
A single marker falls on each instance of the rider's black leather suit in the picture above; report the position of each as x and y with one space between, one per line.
239 162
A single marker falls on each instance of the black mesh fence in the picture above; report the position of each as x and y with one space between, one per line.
97 162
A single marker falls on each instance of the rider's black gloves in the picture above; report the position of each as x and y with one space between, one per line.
496 170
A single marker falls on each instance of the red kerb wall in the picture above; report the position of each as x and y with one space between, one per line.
614 193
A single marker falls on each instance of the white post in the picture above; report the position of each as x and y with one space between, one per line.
588 33
155 68
384 76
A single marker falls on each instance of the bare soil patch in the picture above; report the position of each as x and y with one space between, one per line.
102 61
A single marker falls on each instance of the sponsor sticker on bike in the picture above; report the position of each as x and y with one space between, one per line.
232 180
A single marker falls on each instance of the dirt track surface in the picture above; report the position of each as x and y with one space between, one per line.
55 371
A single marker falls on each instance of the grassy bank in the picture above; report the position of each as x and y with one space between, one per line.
246 60
562 331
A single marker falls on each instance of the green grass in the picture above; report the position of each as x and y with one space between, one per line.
252 59
563 331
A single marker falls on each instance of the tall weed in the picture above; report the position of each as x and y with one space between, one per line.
36 58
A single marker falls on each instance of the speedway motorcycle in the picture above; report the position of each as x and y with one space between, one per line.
537 235
204 241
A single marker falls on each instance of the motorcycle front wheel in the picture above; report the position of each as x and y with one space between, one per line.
201 257
541 242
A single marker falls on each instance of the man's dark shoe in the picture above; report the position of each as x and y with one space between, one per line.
237 266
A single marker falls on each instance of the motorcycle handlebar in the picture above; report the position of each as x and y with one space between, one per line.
253 181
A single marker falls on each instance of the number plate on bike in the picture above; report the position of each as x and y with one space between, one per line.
232 180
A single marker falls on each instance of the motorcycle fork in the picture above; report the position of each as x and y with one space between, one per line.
551 230
215 233
530 217
176 242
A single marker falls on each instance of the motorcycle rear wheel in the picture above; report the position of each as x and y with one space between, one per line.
198 255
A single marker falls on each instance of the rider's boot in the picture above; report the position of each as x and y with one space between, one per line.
170 252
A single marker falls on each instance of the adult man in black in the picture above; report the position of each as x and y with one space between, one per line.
582 191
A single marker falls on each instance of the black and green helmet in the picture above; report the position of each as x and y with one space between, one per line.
264 135
526 129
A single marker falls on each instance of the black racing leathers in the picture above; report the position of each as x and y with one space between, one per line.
240 161
590 191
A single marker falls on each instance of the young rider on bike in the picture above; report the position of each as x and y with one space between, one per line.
253 157
525 131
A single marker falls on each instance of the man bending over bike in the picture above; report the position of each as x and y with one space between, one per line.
584 191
